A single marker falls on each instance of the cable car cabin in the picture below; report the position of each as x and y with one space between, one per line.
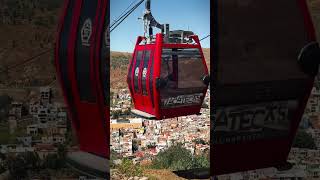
265 56
168 76
81 55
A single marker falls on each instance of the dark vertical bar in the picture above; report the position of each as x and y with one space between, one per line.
214 53
151 78
175 68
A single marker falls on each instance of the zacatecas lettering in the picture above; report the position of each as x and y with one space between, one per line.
253 119
182 100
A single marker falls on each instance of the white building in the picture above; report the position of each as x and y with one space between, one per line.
45 95
56 139
33 129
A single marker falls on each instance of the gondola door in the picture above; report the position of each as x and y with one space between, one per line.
142 79
146 81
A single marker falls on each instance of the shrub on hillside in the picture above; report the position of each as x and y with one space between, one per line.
178 158
304 140
129 169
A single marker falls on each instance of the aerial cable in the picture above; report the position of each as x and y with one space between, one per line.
125 16
118 18
122 18
204 37
30 59
123 12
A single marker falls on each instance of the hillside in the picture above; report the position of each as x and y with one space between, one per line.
119 66
27 28
119 62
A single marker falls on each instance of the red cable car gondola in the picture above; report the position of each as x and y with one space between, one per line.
81 55
167 76
265 57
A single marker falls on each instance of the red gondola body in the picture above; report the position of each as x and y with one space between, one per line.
261 73
148 66
81 55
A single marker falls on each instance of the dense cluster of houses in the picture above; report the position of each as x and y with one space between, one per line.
151 137
46 125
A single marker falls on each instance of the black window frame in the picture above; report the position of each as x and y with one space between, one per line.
151 77
146 58
135 78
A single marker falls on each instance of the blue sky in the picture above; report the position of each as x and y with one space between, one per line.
180 14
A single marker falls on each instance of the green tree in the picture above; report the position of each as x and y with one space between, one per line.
175 158
2 156
4 74
135 145
5 102
201 161
200 141
52 161
56 161
178 158
32 159
113 156
129 169
151 145
62 152
3 164
127 111
18 167
45 174
116 114
304 140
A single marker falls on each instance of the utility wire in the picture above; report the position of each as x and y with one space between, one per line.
27 60
122 18
204 37
117 19
126 11
116 23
